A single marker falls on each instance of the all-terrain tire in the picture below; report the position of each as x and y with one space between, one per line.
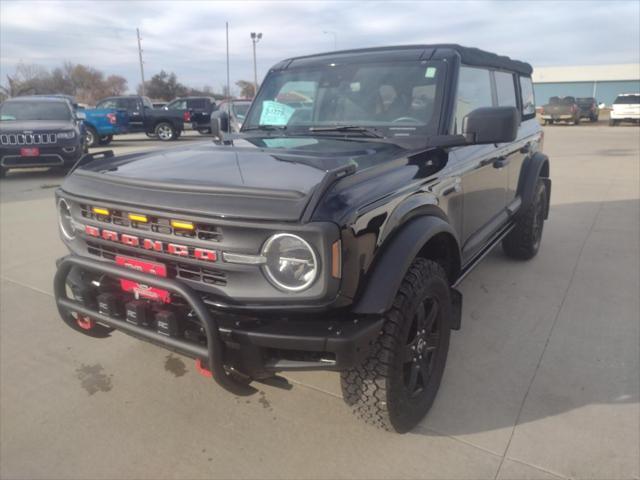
523 242
380 390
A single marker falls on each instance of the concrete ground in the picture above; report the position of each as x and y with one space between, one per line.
542 380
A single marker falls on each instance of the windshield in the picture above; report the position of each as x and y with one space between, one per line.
34 111
240 109
627 99
398 99
568 101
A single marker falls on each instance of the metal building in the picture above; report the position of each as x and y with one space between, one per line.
604 82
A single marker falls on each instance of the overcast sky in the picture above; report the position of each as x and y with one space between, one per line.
188 37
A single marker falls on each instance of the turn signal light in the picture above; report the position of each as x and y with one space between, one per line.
137 217
100 211
336 259
182 225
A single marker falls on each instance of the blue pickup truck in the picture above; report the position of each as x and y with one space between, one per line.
101 124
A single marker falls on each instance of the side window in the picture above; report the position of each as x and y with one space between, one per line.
178 105
505 89
528 100
196 104
107 104
474 91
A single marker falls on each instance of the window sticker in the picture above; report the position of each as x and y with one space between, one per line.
430 72
275 113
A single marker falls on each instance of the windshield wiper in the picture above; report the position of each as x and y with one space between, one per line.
265 127
367 132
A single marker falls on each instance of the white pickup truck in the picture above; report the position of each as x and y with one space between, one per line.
626 108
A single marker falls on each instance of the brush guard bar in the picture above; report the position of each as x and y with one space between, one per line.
213 352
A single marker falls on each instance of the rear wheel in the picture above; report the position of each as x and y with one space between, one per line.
395 386
523 242
92 137
612 122
165 132
576 121
3 172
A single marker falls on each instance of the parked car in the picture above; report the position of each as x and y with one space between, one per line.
588 108
99 125
561 110
626 108
195 110
165 124
39 132
219 120
159 103
329 234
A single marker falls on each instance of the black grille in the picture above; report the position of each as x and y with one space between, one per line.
161 225
194 273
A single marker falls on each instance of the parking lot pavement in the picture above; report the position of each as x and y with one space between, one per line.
542 380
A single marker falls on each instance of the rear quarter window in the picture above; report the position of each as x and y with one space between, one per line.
627 100
505 89
527 98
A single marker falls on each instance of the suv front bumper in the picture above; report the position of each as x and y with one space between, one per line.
255 345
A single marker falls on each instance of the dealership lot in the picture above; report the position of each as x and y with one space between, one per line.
542 380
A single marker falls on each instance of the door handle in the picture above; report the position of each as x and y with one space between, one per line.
500 162
487 161
525 148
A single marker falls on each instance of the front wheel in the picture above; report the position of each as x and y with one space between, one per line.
395 386
3 172
165 132
523 242
613 123
91 137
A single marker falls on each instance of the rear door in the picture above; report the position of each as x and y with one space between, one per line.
510 156
134 110
483 181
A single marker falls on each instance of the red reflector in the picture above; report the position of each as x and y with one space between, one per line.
204 254
203 371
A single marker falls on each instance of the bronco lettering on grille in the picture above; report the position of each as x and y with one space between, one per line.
151 244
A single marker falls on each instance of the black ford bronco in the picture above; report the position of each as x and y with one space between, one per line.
329 234
38 132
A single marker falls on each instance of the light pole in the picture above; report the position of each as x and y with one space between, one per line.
335 37
255 38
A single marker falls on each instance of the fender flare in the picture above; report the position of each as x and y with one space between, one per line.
536 167
389 269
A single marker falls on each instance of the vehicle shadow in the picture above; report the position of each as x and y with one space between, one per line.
561 329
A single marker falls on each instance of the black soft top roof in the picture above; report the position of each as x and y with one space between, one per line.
468 55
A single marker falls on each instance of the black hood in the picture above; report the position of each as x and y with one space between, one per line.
19 126
265 178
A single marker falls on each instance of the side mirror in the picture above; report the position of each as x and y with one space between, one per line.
491 125
81 116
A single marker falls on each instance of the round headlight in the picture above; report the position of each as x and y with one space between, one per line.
291 264
65 221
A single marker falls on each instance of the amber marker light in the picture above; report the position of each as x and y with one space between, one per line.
100 211
181 225
137 217
336 259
